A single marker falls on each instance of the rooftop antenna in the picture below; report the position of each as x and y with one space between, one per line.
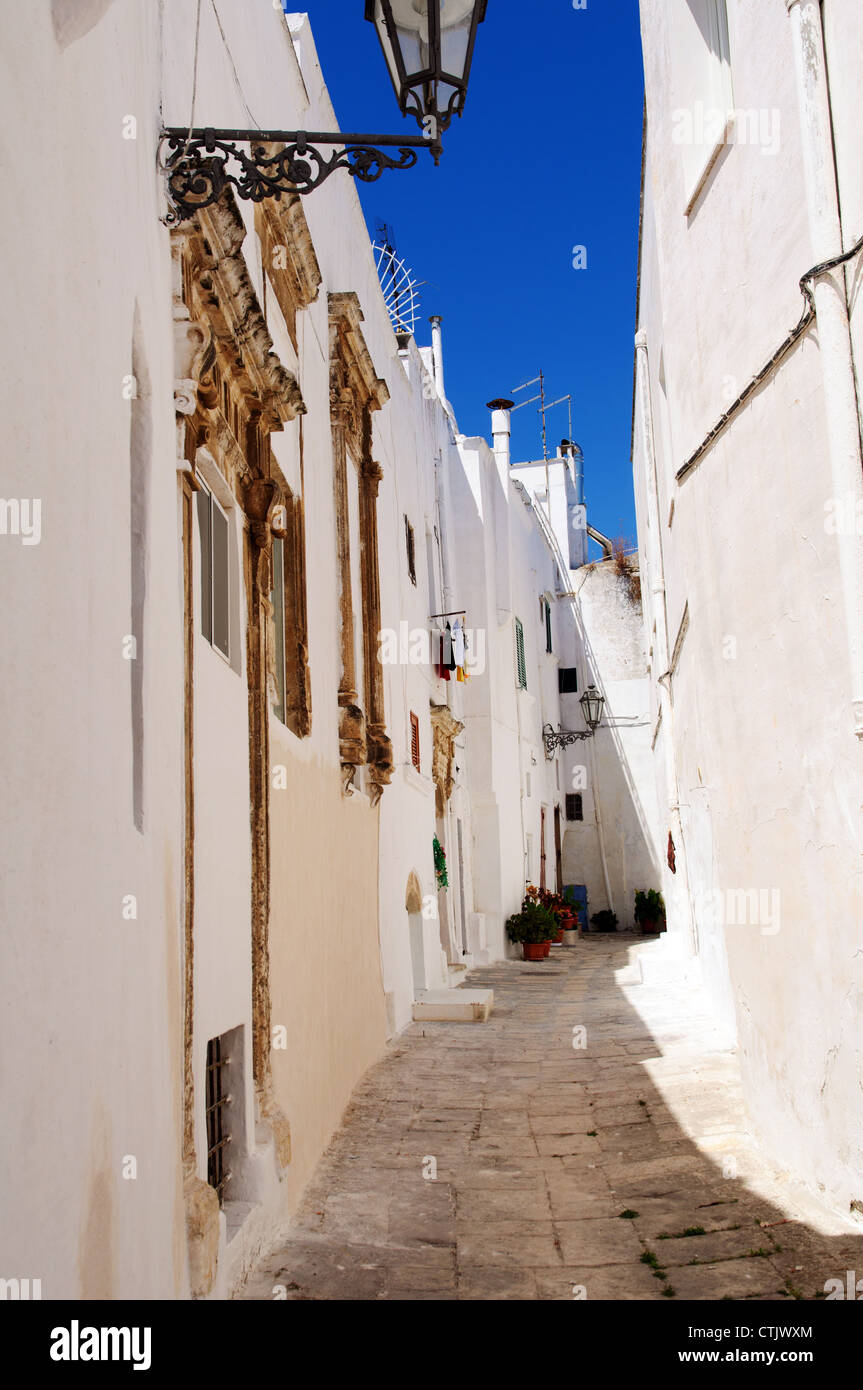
541 411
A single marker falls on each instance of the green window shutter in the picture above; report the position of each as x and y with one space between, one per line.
547 626
519 655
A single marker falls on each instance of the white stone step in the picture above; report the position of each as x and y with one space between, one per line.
453 1005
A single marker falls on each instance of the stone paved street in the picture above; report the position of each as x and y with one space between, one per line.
620 1169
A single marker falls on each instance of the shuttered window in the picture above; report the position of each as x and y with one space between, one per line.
215 572
547 626
415 741
519 656
277 598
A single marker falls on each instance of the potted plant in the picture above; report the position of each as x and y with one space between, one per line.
530 928
650 910
606 920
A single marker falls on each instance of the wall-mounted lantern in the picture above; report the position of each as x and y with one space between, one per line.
592 705
428 46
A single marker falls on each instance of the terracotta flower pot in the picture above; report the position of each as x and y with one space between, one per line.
534 950
546 948
558 940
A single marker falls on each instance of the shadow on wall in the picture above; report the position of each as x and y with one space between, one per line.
72 19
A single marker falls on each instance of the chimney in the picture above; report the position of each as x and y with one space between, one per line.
437 355
500 429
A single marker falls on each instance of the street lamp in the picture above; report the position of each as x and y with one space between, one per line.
592 705
428 46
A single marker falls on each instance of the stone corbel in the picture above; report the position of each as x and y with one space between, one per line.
381 765
353 750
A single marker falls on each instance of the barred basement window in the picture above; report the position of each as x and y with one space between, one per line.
519 656
567 680
218 1140
574 807
410 547
415 741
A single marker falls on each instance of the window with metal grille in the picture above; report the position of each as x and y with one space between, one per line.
574 807
521 668
218 1138
410 548
215 572
415 741
567 680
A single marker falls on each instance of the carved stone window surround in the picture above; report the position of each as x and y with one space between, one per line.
355 393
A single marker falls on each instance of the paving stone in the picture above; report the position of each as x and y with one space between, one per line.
598 1242
728 1279
495 1242
597 1283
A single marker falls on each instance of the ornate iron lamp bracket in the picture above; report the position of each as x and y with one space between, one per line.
200 164
561 738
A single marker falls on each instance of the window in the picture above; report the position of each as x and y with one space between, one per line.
214 528
415 741
218 1139
410 548
567 680
703 99
278 601
574 807
288 660
519 656
547 625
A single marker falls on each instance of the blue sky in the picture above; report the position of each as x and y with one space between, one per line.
545 158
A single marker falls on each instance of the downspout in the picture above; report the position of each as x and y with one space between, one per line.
831 309
660 619
607 545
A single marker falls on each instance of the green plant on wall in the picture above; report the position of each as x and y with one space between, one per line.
440 863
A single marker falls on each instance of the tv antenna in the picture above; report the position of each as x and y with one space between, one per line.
543 410
397 282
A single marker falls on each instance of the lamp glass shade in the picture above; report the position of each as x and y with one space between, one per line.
592 704
428 47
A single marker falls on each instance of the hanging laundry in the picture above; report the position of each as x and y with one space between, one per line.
440 667
449 660
458 643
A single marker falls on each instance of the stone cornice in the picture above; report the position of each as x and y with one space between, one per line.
224 298
348 342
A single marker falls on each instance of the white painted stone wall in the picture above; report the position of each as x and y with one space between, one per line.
763 746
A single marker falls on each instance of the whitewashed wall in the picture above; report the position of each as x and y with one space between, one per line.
764 752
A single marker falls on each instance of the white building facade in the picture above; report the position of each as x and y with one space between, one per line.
749 490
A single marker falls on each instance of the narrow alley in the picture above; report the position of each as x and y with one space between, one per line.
588 1141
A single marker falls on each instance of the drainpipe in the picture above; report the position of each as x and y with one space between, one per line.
831 309
660 620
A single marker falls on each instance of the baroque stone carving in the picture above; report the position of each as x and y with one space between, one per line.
445 731
355 392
